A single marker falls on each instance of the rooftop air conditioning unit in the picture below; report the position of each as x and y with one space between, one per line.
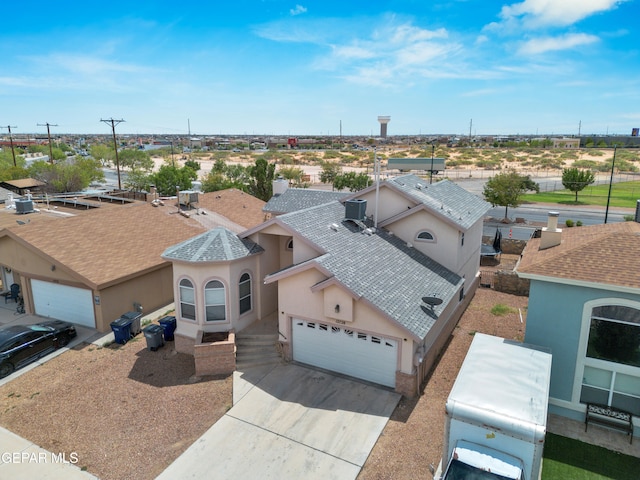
355 209
24 206
188 197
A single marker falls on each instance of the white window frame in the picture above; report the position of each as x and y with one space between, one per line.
248 295
223 304
182 301
426 240
583 360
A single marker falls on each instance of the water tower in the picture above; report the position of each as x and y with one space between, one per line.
384 120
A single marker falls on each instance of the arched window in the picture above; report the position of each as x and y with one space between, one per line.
214 301
425 236
245 293
187 300
290 244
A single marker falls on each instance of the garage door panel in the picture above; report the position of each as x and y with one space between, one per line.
345 351
63 302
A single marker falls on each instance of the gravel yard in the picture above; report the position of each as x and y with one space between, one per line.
412 440
128 412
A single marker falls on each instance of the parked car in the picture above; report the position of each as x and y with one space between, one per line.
23 344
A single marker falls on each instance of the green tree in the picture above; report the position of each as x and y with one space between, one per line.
193 165
506 189
261 177
576 180
168 177
329 172
292 174
103 153
72 175
135 160
351 180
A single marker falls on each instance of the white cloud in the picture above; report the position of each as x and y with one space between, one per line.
542 13
540 45
298 10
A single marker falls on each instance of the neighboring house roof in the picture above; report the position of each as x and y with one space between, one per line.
377 267
108 245
607 254
237 206
23 183
293 199
444 198
4 195
217 245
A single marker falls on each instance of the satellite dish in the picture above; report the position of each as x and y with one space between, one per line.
433 301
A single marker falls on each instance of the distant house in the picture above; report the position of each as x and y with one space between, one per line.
370 285
92 267
584 304
566 143
23 185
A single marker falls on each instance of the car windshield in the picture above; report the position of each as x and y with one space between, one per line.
40 328
461 471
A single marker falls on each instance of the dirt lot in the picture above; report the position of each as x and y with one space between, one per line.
412 440
128 412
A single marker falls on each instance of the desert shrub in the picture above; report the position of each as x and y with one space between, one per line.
569 222
579 223
586 164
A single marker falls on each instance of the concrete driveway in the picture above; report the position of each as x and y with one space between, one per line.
293 422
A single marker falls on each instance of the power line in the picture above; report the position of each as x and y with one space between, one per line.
9 127
48 135
115 144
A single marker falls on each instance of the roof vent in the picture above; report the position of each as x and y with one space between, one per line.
355 209
334 227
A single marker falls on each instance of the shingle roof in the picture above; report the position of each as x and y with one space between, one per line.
607 254
236 205
108 245
444 198
216 245
378 267
294 199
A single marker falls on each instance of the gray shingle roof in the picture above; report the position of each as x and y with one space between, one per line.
446 198
294 199
216 245
379 267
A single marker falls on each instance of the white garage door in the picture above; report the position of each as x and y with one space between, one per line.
346 351
62 302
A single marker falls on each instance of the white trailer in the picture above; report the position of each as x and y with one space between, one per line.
496 413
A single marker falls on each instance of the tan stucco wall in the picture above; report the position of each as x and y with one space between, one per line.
25 261
229 274
297 301
152 291
390 203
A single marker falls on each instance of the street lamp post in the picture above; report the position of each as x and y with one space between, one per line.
613 164
433 148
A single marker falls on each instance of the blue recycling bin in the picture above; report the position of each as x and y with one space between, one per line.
168 325
121 330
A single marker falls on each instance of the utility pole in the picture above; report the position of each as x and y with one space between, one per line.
115 144
13 153
613 165
49 135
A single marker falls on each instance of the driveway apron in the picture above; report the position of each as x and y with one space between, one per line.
294 423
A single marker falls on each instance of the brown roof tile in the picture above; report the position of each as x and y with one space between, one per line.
236 205
111 244
607 254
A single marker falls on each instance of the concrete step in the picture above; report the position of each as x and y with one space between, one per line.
263 340
242 365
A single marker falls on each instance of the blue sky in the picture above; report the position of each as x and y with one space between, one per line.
278 67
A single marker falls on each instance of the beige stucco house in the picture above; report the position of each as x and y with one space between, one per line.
91 266
369 286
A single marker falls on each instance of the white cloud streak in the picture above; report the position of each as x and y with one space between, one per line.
298 10
543 13
537 46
